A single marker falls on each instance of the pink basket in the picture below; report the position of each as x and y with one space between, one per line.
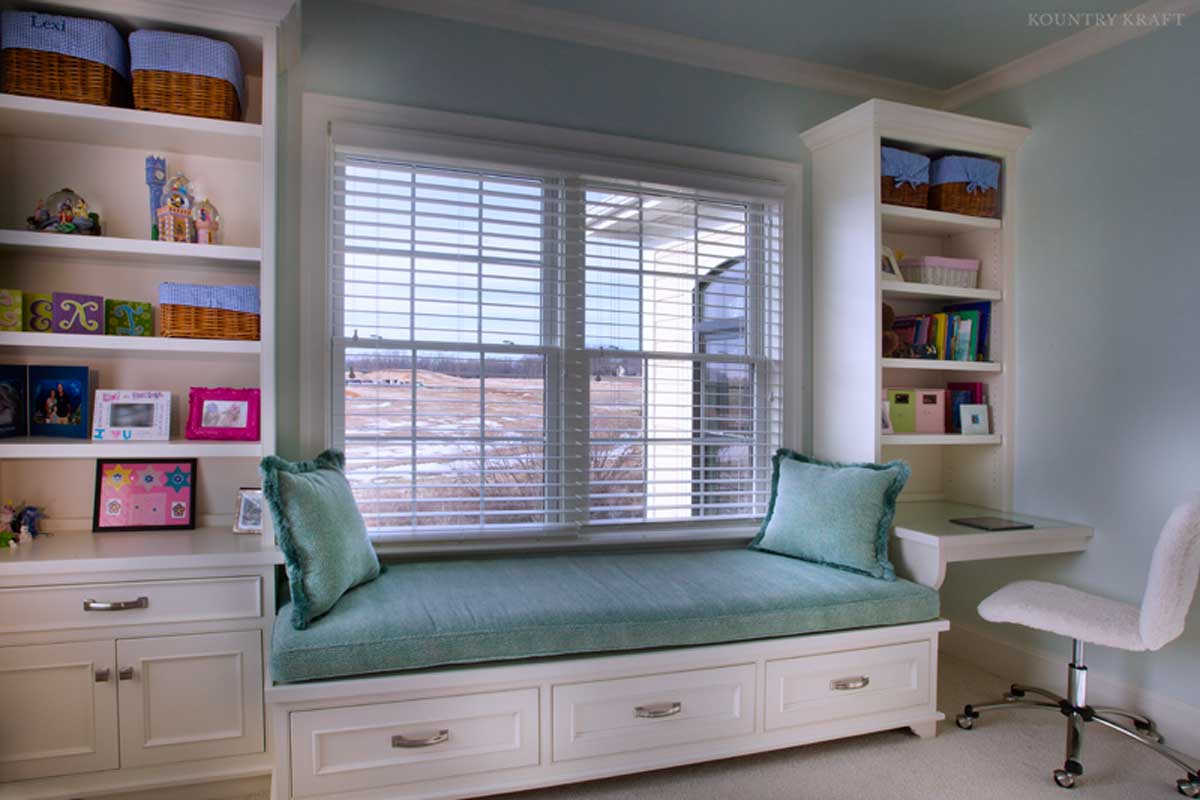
962 273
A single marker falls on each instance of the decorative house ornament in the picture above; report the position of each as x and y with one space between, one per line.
156 177
37 312
208 223
64 212
78 313
10 309
128 416
128 318
175 222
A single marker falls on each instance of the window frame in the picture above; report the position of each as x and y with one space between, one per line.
417 135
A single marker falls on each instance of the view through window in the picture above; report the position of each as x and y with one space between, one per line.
520 352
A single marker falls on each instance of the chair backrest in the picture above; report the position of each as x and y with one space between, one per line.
1174 571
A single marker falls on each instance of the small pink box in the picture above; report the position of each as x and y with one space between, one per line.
931 410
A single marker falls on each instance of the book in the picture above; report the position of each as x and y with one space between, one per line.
993 523
14 412
902 407
982 326
963 349
59 401
941 334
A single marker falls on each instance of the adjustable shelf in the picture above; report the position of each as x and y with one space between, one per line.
72 343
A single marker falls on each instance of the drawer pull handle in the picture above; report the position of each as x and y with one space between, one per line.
102 675
850 684
429 741
120 605
125 674
658 710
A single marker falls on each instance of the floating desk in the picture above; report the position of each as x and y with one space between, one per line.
926 540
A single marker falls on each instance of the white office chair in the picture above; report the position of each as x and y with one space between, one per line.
1085 617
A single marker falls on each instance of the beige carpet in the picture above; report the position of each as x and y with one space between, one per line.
1009 756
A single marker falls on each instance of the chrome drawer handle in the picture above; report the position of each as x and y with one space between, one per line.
120 605
439 737
658 710
850 684
102 675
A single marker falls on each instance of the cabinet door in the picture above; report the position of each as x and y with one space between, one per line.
58 709
190 697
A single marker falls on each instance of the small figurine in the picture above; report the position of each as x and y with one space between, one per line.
6 539
208 223
156 176
64 212
175 223
29 518
8 513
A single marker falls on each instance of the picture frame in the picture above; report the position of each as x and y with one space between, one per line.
144 494
974 418
130 415
60 400
890 266
248 512
886 416
223 413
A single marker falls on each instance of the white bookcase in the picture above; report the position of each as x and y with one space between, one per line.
952 474
159 638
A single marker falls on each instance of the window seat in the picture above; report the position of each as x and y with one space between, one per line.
434 613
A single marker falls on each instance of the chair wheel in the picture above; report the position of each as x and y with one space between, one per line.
964 722
1067 781
1188 787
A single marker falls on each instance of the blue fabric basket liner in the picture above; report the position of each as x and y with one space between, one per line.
193 55
229 298
89 39
977 173
904 167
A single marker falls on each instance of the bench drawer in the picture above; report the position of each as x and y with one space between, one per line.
363 747
633 714
106 605
814 689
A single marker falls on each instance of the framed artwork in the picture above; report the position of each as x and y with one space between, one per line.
248 515
59 401
222 413
885 416
122 415
890 266
13 416
144 494
974 419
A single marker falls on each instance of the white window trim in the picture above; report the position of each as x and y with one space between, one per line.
437 134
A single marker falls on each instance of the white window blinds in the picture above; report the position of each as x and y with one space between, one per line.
517 352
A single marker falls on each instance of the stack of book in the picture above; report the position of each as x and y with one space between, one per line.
958 332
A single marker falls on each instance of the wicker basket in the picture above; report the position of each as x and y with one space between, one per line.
181 93
965 185
195 322
904 178
38 73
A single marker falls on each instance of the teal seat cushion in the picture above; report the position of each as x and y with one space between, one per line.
835 514
432 613
321 533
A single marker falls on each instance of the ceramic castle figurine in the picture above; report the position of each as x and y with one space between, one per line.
156 176
175 223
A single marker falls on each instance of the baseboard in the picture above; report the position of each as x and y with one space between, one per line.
244 789
1014 664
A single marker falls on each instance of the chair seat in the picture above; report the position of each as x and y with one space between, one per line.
1068 612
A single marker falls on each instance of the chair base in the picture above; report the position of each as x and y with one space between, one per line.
1078 713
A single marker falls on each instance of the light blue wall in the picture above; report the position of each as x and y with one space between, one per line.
1107 306
363 51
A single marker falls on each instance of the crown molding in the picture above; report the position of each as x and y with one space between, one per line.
1063 53
584 29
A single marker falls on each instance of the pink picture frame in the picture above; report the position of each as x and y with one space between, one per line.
223 413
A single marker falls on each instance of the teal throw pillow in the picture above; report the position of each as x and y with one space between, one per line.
834 514
322 535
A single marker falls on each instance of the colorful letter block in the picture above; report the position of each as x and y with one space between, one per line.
10 309
78 313
39 312
128 318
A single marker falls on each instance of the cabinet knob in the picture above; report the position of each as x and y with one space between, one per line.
126 674
102 675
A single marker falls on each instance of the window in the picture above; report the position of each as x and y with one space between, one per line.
520 352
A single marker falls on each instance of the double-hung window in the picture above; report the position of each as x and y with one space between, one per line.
523 352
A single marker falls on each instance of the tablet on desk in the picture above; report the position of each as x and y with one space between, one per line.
993 523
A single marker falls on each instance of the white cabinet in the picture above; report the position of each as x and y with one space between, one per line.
189 697
58 709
